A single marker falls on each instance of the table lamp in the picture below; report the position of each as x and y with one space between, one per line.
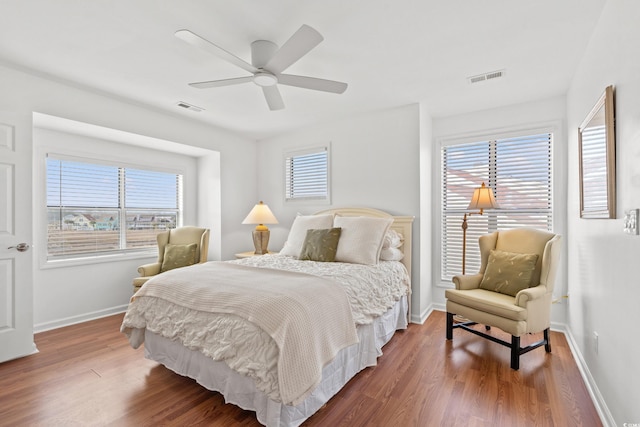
261 215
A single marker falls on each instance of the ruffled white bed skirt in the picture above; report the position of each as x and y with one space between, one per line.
241 391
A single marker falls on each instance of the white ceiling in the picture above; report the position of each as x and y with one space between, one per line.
391 53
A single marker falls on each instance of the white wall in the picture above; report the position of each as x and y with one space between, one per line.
374 163
541 113
603 263
69 289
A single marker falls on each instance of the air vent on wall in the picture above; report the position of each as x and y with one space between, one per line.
189 107
486 76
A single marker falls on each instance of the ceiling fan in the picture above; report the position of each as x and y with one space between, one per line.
267 64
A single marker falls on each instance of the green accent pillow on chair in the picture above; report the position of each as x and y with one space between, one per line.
176 256
508 273
320 245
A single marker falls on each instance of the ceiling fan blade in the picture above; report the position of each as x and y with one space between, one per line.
273 97
312 83
300 43
219 83
196 40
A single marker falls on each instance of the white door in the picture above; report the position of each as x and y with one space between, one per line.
16 288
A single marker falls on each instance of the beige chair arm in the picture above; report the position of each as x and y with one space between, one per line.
467 281
149 269
530 294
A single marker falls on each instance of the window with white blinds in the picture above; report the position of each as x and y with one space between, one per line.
97 209
518 170
307 174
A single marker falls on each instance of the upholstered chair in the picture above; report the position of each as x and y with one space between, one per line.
180 247
512 291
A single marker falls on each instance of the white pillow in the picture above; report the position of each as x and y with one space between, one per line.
392 239
298 231
391 254
361 238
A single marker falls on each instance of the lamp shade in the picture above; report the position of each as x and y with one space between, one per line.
483 198
260 214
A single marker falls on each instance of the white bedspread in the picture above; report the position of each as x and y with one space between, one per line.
308 335
371 289
243 342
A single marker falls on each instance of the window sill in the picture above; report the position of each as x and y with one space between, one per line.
98 259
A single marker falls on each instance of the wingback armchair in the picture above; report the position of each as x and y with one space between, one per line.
179 247
512 291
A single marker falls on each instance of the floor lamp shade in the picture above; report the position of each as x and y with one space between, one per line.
483 198
260 215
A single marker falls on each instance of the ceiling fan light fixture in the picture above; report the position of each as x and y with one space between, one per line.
265 79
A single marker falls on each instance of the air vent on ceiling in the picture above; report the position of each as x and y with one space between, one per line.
486 76
189 107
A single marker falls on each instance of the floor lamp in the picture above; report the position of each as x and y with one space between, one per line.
482 199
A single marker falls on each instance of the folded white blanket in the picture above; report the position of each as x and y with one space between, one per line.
308 317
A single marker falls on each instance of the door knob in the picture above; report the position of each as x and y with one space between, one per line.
21 247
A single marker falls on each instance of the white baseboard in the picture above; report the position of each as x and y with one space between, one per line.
598 401
422 317
67 321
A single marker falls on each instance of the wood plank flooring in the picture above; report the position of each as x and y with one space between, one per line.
87 375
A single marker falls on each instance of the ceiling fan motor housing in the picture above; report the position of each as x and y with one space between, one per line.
261 52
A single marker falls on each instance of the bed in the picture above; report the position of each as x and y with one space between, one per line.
242 333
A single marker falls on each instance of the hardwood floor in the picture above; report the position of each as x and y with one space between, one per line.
87 375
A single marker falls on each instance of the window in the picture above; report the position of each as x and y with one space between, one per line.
307 174
518 169
98 209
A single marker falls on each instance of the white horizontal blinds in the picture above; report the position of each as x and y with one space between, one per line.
86 209
82 208
151 203
306 175
523 184
594 170
464 168
518 169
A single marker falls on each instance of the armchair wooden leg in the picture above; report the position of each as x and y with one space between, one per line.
515 353
547 346
449 325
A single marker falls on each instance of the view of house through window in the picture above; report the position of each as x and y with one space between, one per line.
95 209
518 169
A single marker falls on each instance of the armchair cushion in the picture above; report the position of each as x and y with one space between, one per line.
508 272
490 302
176 256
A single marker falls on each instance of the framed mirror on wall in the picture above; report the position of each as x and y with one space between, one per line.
597 152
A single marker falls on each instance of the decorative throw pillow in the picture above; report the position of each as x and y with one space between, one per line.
320 245
391 254
176 256
298 231
392 239
361 238
508 273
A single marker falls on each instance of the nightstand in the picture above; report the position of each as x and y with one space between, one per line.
249 254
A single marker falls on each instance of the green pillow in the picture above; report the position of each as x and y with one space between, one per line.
176 256
320 245
508 273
